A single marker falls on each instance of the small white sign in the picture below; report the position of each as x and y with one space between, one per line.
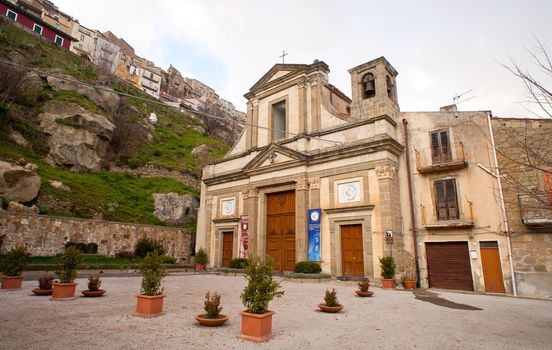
473 254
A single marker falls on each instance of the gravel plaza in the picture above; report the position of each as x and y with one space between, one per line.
391 319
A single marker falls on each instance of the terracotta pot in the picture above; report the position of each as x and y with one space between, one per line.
364 294
199 267
93 293
211 322
332 309
409 284
64 291
12 282
149 306
42 291
256 327
388 283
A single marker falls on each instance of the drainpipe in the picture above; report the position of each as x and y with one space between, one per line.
411 201
506 226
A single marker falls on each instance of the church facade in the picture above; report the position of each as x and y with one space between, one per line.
319 176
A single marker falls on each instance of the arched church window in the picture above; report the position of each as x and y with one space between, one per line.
369 85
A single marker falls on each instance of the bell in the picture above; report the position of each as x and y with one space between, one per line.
369 88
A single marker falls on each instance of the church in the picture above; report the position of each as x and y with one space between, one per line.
319 176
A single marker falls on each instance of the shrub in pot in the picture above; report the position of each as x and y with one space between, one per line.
387 265
12 268
45 284
67 264
200 259
363 288
409 280
212 316
331 304
94 283
149 303
260 290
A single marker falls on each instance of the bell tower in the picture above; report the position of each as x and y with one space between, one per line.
374 89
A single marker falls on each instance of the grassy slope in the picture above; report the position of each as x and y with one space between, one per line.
118 197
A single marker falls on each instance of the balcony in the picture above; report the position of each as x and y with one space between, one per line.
447 217
429 161
536 209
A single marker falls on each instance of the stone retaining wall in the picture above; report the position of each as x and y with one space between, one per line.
47 235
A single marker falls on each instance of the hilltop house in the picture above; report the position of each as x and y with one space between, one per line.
29 18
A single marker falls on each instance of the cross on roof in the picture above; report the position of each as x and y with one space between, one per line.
284 54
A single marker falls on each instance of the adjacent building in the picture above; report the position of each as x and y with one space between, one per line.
524 151
28 16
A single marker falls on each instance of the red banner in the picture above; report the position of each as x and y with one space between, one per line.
244 241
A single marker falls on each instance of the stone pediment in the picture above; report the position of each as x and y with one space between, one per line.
274 155
278 71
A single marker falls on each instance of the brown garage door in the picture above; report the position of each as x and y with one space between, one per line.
448 265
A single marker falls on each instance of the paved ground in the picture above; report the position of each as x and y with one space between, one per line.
389 320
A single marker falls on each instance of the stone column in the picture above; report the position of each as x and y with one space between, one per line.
208 227
255 119
302 106
314 198
315 103
251 209
248 128
301 227
390 211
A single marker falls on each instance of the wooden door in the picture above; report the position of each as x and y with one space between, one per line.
492 271
280 229
352 251
227 247
448 265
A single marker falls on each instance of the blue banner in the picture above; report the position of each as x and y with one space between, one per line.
314 234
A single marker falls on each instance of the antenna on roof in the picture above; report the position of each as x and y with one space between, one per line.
459 96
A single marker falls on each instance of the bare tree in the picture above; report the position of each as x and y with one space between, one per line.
539 102
525 149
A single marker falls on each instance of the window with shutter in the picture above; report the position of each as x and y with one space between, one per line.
446 203
440 147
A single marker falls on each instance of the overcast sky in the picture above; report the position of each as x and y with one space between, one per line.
440 48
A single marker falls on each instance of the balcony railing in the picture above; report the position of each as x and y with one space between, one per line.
447 217
536 209
430 160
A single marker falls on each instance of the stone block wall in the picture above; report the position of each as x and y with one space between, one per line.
47 235
531 246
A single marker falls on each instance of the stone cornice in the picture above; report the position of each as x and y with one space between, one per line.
380 143
226 220
348 209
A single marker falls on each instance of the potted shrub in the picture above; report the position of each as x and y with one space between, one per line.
64 289
94 283
331 304
200 259
12 267
387 265
45 282
363 287
409 280
212 307
260 290
149 303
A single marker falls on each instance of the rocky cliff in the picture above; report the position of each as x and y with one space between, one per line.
72 142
